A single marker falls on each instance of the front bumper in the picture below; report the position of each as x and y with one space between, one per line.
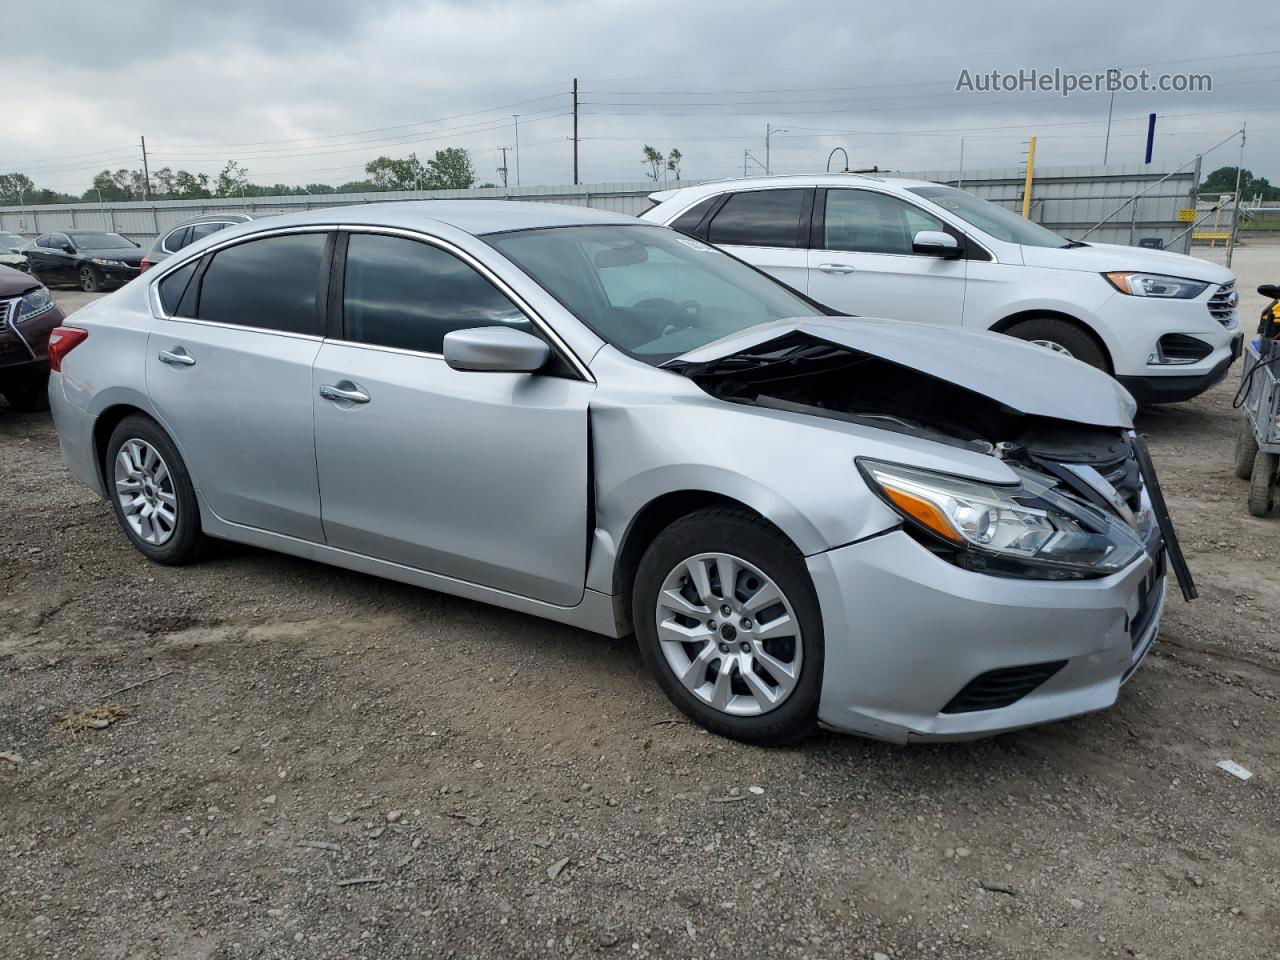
24 345
117 276
906 631
1168 388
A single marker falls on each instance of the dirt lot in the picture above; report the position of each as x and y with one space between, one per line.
310 728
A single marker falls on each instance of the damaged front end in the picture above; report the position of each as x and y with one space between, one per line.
1086 503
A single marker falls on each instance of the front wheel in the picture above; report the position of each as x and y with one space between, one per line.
728 622
89 280
151 492
1061 336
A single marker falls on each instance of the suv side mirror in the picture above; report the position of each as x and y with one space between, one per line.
495 349
935 243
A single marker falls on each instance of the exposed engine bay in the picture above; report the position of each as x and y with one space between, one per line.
803 374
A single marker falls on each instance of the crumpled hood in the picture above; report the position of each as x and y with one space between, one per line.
1022 376
1109 257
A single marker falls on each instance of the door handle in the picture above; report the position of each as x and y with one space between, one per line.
177 357
835 268
343 390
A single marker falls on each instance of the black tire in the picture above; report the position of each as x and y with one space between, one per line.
90 282
30 394
746 536
1262 483
1071 337
1246 450
187 542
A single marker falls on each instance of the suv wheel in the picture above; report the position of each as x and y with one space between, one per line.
1061 336
151 492
728 622
89 280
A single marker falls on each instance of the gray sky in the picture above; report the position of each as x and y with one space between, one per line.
306 92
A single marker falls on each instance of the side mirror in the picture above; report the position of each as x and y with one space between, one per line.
935 243
495 349
1270 290
68 248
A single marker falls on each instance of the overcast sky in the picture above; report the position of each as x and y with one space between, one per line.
308 92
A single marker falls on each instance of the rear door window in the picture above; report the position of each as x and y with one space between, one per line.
407 294
201 230
272 283
759 218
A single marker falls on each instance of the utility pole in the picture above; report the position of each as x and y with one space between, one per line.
516 118
146 173
503 169
768 132
575 131
960 179
1026 189
1106 144
1235 205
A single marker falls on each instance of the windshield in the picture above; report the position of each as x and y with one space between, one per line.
11 240
649 291
988 217
100 241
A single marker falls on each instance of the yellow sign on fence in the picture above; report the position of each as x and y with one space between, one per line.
1187 216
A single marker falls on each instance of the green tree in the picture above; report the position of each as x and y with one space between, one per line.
1223 180
15 188
403 174
673 162
193 186
451 169
655 161
232 181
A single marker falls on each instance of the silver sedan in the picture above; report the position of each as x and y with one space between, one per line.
884 528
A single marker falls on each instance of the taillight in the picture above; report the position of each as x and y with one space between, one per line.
145 265
61 342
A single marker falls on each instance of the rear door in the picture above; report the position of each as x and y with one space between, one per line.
229 372
862 262
766 228
477 476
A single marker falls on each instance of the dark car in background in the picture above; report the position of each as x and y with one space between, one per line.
188 231
27 317
93 260
11 254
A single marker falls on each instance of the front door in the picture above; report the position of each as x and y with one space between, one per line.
477 476
230 377
863 264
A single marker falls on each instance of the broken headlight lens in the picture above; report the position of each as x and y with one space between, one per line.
1026 529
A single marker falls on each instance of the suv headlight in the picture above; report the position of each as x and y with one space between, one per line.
1156 285
34 303
103 261
1027 529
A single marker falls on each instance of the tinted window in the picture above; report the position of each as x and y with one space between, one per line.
57 241
760 218
867 222
688 221
177 240
43 242
402 293
174 284
269 283
101 240
201 230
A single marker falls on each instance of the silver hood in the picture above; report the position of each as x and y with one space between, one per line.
1028 379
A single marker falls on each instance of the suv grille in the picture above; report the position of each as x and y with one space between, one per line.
1222 305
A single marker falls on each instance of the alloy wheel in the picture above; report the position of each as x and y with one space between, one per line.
1054 346
729 634
146 493
88 280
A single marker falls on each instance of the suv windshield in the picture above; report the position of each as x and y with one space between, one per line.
649 291
100 241
988 217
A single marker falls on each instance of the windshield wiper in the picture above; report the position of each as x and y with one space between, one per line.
1072 244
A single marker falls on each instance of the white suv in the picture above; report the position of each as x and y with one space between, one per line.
1163 324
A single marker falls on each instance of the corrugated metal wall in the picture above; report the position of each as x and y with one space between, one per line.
1067 199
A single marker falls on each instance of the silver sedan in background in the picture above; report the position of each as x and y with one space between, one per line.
880 527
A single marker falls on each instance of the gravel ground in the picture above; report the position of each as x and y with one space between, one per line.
328 765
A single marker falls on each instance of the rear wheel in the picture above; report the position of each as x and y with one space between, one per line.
1246 450
1061 336
1262 483
90 282
151 492
729 624
30 394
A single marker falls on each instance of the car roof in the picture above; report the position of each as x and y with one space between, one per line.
476 217
212 216
793 180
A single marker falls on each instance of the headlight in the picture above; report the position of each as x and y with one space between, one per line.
1156 285
108 263
33 304
1027 529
